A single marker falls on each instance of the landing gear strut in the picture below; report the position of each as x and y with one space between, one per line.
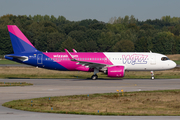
152 75
94 76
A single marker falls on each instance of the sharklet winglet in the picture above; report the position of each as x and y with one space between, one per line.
74 51
69 55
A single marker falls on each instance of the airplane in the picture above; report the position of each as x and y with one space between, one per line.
114 64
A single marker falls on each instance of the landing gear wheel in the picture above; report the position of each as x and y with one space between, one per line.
152 75
94 77
152 78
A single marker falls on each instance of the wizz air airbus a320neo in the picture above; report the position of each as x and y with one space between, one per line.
114 64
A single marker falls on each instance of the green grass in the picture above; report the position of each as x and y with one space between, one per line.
177 62
8 62
32 72
7 84
143 103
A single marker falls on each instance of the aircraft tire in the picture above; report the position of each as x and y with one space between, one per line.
94 77
152 78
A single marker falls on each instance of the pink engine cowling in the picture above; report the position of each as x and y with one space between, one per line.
85 69
115 71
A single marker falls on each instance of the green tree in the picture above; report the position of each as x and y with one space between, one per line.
5 42
126 19
163 42
124 46
78 35
54 41
106 41
69 44
141 45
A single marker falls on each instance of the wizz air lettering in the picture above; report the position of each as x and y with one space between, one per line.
134 59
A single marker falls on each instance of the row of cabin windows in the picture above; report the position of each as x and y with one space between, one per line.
84 59
127 59
76 58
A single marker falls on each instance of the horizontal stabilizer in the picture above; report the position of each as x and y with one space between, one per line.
22 58
69 54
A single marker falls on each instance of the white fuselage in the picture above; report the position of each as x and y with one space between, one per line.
140 61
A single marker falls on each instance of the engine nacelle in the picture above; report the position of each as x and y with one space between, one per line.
84 68
115 71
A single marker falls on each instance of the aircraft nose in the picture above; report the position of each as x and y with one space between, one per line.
173 64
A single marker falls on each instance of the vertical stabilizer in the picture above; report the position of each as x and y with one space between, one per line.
19 41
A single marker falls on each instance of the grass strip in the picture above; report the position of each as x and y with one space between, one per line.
8 62
142 103
32 72
8 84
177 62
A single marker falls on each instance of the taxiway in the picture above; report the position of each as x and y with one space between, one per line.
59 87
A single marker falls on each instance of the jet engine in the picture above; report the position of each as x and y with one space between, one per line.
115 71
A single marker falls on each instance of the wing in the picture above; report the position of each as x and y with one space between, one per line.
85 63
91 64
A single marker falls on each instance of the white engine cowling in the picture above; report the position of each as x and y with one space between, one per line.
115 71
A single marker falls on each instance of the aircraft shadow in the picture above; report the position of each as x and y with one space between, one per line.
16 78
75 79
96 79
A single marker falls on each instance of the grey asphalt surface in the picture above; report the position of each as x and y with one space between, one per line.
59 87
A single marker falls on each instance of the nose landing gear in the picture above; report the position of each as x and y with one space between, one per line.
152 75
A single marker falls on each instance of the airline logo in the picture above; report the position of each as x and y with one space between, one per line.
134 59
61 56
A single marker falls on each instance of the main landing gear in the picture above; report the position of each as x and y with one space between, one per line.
152 75
95 76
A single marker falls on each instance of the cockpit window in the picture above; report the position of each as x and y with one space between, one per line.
164 58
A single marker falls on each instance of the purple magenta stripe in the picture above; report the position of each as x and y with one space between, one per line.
63 59
17 32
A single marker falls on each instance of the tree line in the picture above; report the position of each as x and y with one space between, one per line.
127 34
